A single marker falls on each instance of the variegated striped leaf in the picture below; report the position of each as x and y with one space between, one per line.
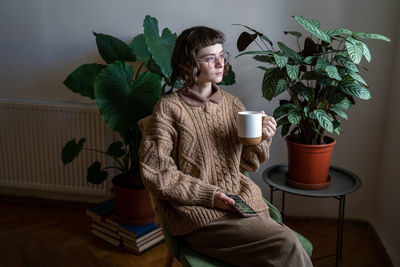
345 62
354 89
292 71
281 61
355 51
281 86
289 52
339 112
371 36
321 63
344 104
324 120
338 32
313 28
294 116
356 77
333 72
270 81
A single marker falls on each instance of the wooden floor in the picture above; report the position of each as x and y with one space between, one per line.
47 233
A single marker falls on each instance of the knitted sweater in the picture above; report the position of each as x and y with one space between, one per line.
189 151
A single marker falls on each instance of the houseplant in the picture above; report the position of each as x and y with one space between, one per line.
125 96
322 80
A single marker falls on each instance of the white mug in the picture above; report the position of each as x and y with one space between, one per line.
250 127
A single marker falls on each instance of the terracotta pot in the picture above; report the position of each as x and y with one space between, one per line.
309 164
132 206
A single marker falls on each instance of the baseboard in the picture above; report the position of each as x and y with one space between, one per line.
374 234
54 195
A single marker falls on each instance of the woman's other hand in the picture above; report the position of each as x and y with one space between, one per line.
269 126
222 201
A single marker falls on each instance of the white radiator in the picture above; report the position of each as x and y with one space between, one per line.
32 135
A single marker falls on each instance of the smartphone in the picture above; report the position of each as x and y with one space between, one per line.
241 207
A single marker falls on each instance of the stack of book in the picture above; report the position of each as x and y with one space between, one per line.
134 238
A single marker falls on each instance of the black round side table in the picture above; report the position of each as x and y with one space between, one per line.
343 183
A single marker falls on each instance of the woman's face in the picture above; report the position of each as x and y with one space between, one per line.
211 63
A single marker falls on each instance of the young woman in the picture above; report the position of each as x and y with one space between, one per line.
191 160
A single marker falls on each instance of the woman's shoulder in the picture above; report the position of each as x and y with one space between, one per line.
167 105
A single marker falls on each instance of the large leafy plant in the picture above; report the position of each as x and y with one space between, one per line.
321 77
124 96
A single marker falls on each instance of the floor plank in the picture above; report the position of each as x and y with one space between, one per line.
48 233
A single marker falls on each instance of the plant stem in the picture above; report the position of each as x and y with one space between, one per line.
139 69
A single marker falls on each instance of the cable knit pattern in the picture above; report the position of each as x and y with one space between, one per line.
189 151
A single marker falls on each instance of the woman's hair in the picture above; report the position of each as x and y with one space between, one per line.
188 43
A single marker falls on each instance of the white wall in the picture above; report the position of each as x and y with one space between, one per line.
386 216
44 40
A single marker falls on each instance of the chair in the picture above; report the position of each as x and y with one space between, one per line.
191 258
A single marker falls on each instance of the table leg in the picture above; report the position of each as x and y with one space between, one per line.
271 195
339 242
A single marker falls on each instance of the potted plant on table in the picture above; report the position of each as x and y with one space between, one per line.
322 80
124 97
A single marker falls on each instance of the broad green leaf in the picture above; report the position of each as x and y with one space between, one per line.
333 72
344 104
95 175
371 36
244 40
112 49
339 112
355 51
310 26
160 48
81 79
256 53
281 61
139 47
294 33
71 150
264 58
338 32
270 81
323 120
115 149
280 111
345 62
289 52
321 63
292 71
229 77
356 77
122 103
285 129
281 86
354 89
294 116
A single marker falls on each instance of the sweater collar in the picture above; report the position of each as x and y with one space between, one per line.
193 98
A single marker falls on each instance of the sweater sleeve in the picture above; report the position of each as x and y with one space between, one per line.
252 155
159 171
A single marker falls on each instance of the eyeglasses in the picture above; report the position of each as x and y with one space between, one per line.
212 60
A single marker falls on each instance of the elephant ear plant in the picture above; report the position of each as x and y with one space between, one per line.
321 77
124 96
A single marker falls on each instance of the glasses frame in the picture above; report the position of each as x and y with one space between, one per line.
225 56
